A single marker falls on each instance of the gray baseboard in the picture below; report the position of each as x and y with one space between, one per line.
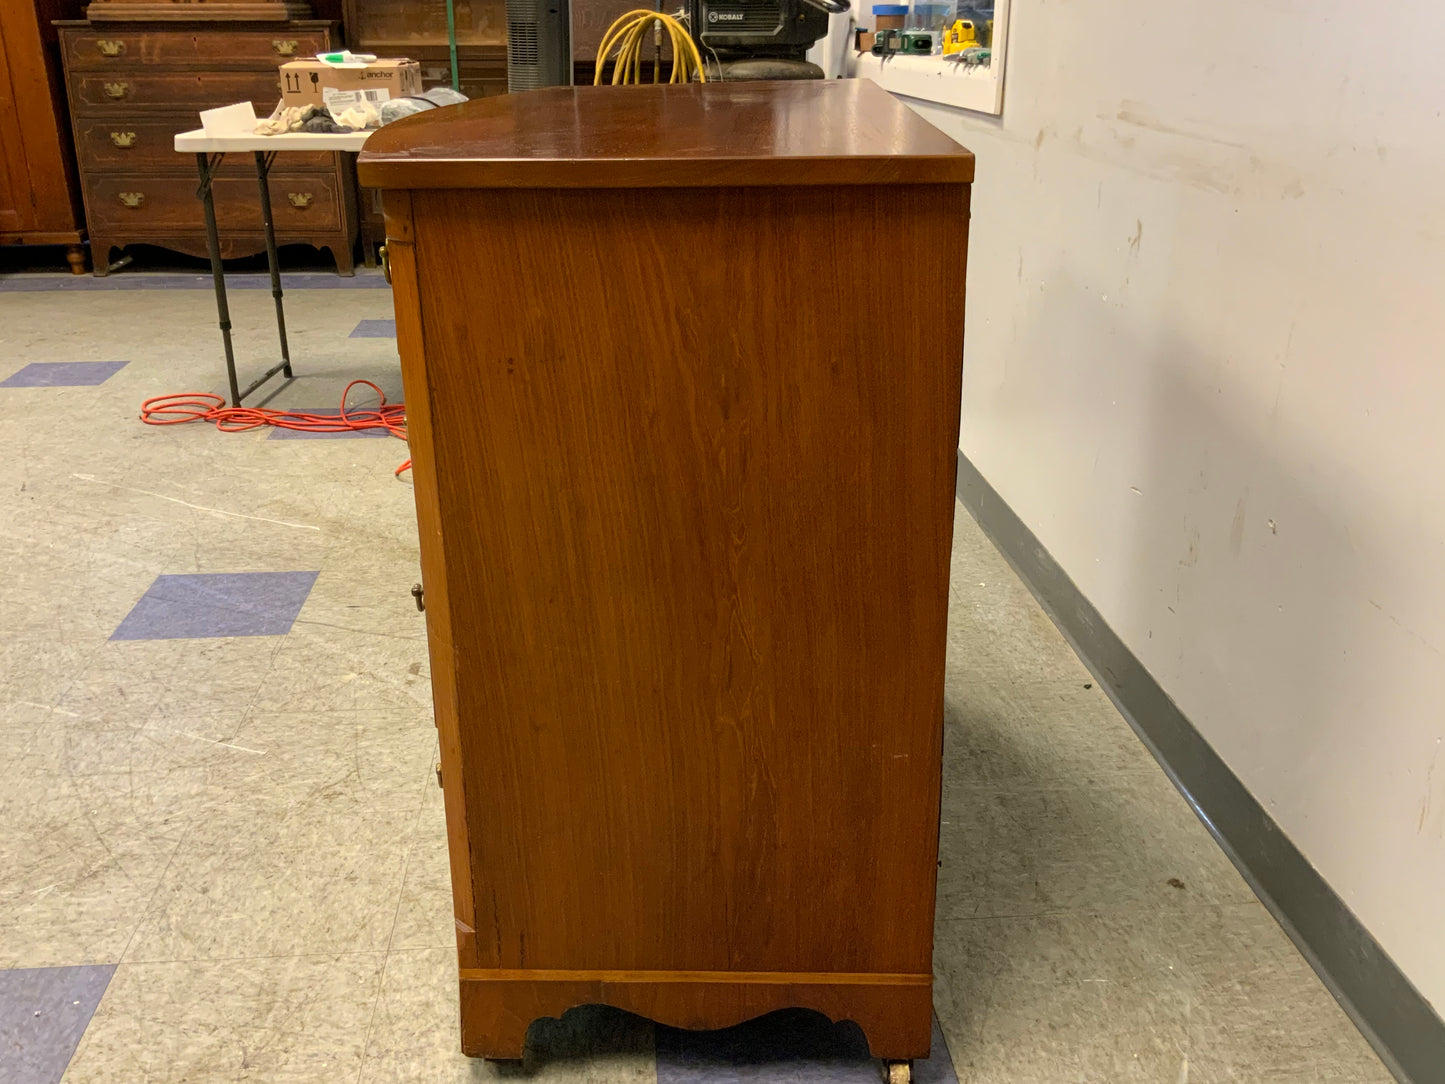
1398 1022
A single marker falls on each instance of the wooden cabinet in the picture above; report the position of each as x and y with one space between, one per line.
39 193
133 86
685 497
418 30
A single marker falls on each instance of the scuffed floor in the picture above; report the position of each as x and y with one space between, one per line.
221 831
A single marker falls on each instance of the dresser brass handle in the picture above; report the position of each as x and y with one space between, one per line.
299 199
116 90
110 48
132 199
123 139
285 48
385 259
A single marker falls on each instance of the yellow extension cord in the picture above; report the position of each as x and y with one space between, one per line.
627 34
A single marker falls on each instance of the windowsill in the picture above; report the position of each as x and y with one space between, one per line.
934 79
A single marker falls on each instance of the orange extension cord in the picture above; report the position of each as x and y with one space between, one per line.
203 406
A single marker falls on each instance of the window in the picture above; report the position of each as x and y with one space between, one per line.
950 52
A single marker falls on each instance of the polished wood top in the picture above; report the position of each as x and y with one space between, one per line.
833 132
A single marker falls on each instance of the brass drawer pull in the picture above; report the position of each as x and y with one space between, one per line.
285 48
132 199
110 48
300 200
116 90
123 139
385 259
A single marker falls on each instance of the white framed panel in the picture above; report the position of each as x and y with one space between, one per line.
948 82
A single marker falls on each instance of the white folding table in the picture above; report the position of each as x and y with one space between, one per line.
209 151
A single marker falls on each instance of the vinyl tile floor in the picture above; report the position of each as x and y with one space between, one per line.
222 846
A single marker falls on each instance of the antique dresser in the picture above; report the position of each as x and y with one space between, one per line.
133 86
682 370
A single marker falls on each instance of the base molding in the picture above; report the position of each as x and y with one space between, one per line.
894 1011
1393 1016
235 244
42 237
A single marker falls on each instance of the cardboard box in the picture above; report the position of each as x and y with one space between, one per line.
305 82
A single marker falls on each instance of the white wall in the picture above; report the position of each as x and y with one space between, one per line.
1205 363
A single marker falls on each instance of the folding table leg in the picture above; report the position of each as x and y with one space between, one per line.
263 168
207 169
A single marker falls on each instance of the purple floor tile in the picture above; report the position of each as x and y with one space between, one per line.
217 604
795 1045
43 1013
306 434
374 329
63 374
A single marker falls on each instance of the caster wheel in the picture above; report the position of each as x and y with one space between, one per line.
897 1072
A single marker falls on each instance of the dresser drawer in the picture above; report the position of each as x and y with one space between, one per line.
235 49
140 143
102 93
302 203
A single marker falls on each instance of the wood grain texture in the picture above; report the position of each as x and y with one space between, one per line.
479 23
207 47
145 78
39 192
234 244
498 1007
103 11
419 31
169 203
685 501
829 132
138 92
411 343
146 144
663 978
694 510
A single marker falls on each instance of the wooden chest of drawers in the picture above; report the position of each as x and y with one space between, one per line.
685 529
39 191
133 86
